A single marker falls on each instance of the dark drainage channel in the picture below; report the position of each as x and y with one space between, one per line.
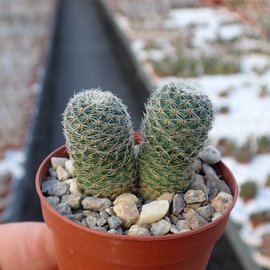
86 54
82 56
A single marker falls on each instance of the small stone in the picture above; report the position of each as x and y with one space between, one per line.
216 216
194 220
210 155
199 184
104 214
73 185
97 204
91 213
114 231
153 212
101 221
127 211
166 196
206 211
91 221
174 219
212 188
120 230
110 211
52 173
84 223
69 166
137 230
185 230
161 227
58 161
53 201
75 217
174 229
197 181
62 174
48 184
125 197
64 209
197 166
194 206
114 222
182 225
73 199
178 204
58 189
194 196
209 171
223 187
100 229
167 219
214 183
222 202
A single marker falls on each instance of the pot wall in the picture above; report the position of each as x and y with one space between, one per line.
82 248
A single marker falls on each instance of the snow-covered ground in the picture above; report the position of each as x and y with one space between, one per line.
246 93
208 23
12 164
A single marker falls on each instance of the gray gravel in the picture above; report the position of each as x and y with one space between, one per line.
205 200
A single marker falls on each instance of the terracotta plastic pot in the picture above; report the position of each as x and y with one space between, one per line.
81 248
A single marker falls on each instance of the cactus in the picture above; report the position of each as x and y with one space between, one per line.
97 128
175 127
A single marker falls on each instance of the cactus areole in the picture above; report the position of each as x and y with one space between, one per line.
175 128
97 128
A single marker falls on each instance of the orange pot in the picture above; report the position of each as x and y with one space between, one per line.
81 248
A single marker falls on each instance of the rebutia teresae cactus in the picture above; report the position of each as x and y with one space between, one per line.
175 127
97 128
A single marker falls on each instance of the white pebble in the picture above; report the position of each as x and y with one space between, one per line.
73 185
153 211
69 166
62 174
58 161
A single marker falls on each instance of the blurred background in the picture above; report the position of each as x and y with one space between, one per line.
51 49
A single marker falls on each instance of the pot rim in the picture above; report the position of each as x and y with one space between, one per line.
129 237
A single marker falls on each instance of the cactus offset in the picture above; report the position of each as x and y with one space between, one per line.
97 128
175 127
